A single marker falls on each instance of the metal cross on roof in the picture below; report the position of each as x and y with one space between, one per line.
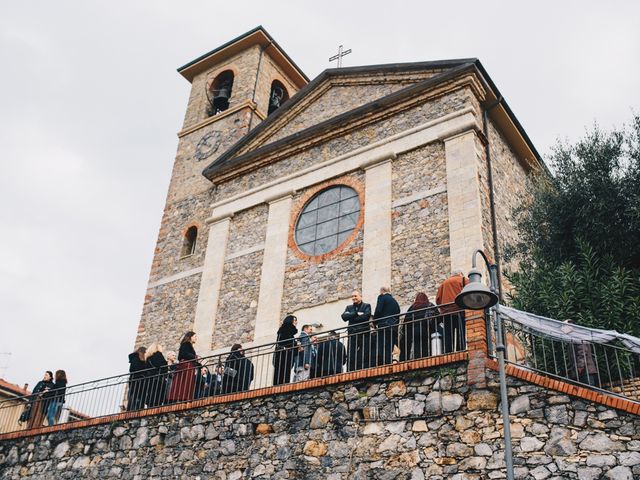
339 56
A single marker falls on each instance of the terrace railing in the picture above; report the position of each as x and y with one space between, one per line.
610 366
420 334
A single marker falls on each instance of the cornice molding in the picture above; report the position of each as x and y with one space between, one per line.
300 142
208 121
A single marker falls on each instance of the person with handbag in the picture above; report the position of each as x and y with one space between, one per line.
238 371
36 409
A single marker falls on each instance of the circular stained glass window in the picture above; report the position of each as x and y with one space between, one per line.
327 220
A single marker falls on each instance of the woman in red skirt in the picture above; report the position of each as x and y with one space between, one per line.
184 380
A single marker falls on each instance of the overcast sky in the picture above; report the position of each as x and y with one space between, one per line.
90 103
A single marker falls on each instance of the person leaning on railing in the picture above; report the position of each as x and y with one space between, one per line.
453 319
330 357
36 409
55 397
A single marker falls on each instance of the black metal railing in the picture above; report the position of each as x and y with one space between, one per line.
609 367
419 334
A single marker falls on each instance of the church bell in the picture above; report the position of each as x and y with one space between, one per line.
275 100
221 98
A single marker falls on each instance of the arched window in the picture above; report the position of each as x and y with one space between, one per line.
189 242
219 93
277 97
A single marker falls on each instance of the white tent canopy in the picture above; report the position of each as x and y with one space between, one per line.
569 332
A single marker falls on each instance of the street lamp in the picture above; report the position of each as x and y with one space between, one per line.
476 296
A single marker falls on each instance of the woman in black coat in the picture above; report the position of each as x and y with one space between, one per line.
157 370
137 373
184 379
417 328
238 371
285 350
37 409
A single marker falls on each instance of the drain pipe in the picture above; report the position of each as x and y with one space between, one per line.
492 203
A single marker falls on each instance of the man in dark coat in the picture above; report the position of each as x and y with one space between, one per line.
386 319
357 316
331 356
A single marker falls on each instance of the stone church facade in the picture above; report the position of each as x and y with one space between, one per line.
365 176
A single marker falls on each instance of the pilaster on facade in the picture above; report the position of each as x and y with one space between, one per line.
376 255
273 269
210 283
463 196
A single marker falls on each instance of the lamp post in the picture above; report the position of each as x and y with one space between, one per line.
476 296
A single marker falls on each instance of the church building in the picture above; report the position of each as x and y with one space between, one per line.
289 193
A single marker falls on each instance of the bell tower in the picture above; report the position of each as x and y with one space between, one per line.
233 88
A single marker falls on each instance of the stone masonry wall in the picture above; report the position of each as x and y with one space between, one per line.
511 181
511 186
239 291
168 312
238 304
426 424
420 229
346 94
374 132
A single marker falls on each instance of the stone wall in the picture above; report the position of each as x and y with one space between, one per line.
511 182
168 312
425 424
376 131
420 228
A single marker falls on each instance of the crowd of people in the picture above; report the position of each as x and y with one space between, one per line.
374 338
156 380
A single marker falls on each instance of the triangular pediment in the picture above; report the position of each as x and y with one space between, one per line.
340 99
332 94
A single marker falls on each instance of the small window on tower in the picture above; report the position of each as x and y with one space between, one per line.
189 244
278 96
219 93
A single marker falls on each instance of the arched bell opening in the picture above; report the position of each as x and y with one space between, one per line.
219 93
277 97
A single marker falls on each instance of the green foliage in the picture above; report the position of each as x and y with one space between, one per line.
594 195
591 290
579 247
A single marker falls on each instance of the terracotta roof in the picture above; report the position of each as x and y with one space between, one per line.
4 385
